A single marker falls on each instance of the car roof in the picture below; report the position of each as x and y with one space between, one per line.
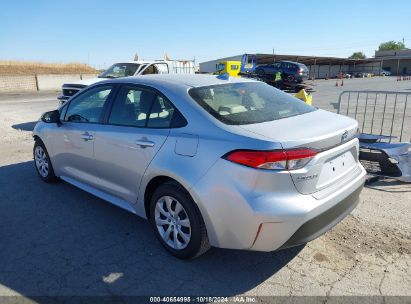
186 80
139 62
288 61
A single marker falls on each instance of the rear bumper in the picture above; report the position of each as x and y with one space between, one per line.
324 222
387 159
311 222
273 214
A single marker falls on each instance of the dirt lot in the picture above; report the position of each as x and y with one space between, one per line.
58 240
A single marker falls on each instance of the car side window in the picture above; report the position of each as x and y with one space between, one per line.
131 107
88 106
161 113
63 112
151 69
139 107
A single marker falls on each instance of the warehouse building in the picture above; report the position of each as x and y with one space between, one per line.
398 62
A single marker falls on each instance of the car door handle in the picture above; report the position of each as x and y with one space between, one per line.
86 136
144 143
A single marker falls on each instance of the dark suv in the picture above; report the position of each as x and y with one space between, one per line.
291 72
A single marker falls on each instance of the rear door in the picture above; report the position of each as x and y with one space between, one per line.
136 127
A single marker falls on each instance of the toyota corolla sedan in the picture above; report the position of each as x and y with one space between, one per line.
209 161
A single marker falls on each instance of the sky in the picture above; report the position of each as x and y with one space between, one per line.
102 32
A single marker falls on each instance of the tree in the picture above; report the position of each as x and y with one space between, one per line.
392 46
358 55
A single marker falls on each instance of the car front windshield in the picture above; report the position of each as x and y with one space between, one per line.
120 70
244 103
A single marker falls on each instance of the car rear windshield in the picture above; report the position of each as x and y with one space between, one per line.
247 103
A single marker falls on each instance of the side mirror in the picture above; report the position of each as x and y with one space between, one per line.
51 117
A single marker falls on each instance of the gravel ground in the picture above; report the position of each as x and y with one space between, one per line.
59 240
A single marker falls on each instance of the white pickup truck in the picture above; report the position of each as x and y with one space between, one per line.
126 69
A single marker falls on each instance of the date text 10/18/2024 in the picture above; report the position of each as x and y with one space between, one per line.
205 299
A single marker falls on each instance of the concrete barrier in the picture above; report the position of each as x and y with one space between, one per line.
13 83
17 83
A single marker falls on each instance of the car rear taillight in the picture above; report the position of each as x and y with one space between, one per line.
291 159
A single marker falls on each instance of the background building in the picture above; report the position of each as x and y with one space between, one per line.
397 62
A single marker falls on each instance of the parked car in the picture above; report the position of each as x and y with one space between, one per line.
291 72
343 75
229 163
126 69
385 73
362 75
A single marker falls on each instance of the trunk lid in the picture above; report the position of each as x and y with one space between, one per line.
331 134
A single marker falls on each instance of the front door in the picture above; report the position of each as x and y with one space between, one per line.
73 141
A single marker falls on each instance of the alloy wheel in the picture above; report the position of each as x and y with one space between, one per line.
172 222
42 163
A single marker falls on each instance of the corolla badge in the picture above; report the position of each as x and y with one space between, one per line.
307 177
344 136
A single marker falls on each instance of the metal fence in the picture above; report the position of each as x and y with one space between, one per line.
379 112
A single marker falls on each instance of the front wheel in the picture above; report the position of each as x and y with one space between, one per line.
177 222
42 162
260 72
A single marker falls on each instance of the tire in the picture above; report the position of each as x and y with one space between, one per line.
290 78
42 162
260 72
188 225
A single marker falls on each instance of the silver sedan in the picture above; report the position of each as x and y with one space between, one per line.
209 161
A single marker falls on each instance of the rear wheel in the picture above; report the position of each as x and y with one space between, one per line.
177 222
42 162
290 78
260 72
